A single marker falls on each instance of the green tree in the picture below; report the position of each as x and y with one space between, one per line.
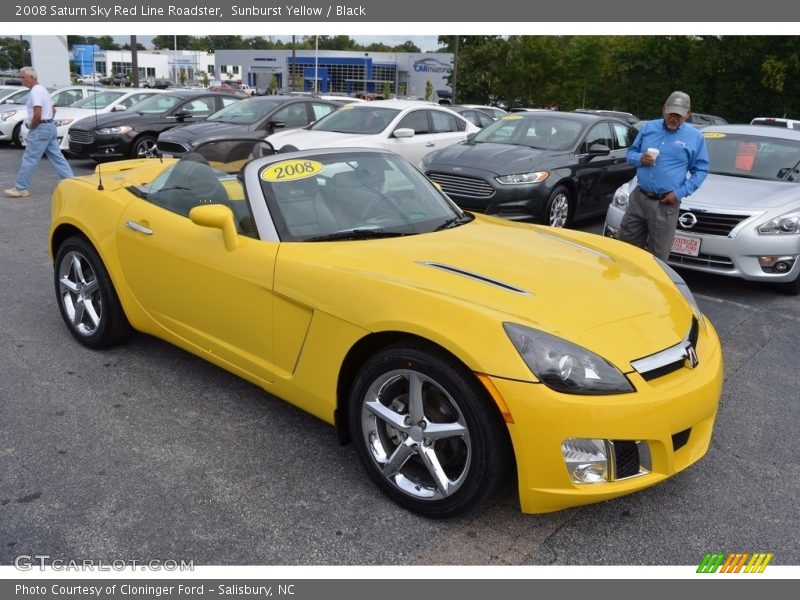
407 46
428 91
387 89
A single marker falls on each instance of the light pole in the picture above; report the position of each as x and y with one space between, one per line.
366 56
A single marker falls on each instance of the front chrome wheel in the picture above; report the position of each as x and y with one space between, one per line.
427 432
416 435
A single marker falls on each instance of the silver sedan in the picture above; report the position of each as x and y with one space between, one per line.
744 221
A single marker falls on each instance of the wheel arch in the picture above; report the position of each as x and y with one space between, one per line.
370 345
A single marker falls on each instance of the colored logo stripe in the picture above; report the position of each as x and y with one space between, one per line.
733 563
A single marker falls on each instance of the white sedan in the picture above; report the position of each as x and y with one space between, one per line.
13 115
411 129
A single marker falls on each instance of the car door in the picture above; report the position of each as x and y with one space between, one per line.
413 148
598 176
218 301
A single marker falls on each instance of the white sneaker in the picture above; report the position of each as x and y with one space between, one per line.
15 193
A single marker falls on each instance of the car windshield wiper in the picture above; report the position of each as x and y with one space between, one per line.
355 234
454 222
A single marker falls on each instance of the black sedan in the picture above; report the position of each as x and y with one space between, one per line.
475 116
133 133
262 115
545 166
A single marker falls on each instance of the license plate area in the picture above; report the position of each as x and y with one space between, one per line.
686 245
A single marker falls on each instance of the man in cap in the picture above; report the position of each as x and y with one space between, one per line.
672 163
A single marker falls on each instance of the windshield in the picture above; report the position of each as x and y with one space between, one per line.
17 96
539 131
753 156
355 195
245 112
99 100
157 104
357 119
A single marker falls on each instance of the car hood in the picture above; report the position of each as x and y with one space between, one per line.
632 310
499 159
79 113
305 138
113 119
198 131
738 193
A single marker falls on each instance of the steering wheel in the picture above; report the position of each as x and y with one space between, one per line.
381 207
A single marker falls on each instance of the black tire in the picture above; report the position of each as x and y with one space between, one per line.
86 296
559 209
143 146
16 139
454 430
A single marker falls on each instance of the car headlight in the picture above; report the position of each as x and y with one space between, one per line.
62 122
620 199
788 223
7 115
519 178
564 366
114 130
680 284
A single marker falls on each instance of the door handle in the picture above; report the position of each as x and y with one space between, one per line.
430 145
139 228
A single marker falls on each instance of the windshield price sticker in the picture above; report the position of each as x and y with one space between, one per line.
291 170
685 245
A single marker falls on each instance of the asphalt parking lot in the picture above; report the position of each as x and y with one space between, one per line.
146 452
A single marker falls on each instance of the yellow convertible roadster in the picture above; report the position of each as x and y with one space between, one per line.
454 350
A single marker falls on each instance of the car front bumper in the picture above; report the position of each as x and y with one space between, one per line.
673 415
735 255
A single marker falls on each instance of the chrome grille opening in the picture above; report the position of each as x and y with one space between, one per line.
81 137
629 459
171 147
670 359
711 223
723 263
462 185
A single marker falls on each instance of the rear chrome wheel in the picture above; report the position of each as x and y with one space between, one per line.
426 432
86 297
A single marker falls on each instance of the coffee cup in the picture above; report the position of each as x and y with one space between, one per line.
654 152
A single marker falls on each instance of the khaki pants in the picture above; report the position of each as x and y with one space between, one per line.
649 224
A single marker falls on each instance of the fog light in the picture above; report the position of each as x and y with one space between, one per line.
776 264
586 459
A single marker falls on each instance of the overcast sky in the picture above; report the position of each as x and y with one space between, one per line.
426 43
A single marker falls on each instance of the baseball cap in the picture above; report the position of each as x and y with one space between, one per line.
678 103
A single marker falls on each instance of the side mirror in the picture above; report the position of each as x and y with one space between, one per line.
599 150
276 124
118 108
471 136
220 217
182 115
403 132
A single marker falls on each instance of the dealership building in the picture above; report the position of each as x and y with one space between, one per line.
337 71
325 71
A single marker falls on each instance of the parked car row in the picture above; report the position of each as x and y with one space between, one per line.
546 166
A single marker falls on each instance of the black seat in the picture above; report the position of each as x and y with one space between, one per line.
191 182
